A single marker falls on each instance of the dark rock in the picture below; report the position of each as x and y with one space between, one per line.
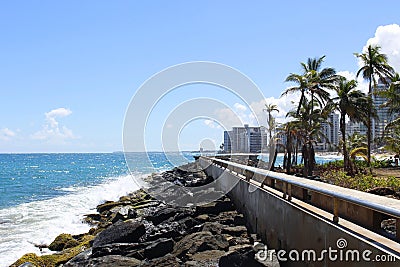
166 261
213 227
206 258
121 232
235 230
123 249
182 213
105 261
215 207
203 218
237 240
123 210
63 241
198 242
159 248
173 230
92 219
106 206
188 222
79 260
115 217
226 217
239 220
132 214
161 215
240 257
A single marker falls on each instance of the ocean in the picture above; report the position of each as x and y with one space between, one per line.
44 195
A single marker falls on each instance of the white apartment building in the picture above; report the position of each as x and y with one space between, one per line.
331 131
245 139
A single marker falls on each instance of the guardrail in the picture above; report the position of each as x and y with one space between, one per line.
355 206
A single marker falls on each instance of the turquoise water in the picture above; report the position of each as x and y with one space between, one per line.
34 177
43 195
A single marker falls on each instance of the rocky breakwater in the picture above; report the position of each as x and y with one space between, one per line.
139 230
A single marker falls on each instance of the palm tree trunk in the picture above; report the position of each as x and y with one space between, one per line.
300 102
369 126
347 167
289 153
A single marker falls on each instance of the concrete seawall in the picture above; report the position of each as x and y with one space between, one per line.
285 226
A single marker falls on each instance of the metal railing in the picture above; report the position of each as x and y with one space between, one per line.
288 185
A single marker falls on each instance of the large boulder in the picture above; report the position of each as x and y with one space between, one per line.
235 230
159 248
166 261
63 241
243 256
121 232
216 207
205 258
105 261
123 249
161 215
213 227
108 205
198 242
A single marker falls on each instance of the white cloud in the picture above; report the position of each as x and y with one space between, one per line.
6 134
240 107
209 123
51 130
231 117
388 38
53 114
254 114
285 104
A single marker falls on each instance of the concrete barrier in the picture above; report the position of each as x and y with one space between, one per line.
298 233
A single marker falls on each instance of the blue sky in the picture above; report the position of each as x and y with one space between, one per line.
68 69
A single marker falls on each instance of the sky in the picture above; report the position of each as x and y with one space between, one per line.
69 69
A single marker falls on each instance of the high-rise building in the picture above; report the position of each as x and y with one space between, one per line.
355 127
227 141
331 131
245 139
378 125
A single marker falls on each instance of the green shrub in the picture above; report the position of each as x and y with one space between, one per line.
360 181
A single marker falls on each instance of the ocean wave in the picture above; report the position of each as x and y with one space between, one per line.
39 222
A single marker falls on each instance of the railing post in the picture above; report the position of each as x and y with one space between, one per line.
377 219
289 191
248 174
398 228
305 195
335 210
272 183
284 189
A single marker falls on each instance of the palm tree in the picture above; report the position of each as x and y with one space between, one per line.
269 108
375 65
301 82
392 94
357 147
392 140
313 80
308 129
349 102
318 81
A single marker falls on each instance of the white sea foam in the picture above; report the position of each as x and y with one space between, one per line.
40 222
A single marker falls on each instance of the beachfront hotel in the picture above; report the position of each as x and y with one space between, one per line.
246 139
